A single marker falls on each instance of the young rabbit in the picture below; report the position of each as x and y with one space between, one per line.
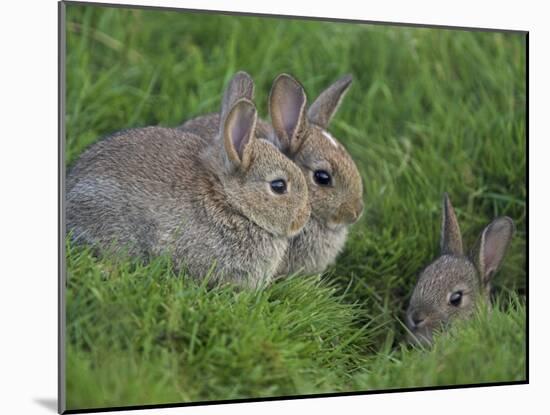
334 184
227 209
451 286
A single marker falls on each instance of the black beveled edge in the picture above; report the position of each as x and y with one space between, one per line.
527 206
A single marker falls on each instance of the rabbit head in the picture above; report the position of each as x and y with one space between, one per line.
259 182
451 286
334 184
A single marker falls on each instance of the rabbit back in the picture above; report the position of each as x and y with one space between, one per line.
118 192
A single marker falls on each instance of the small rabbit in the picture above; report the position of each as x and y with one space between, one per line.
334 184
451 286
226 209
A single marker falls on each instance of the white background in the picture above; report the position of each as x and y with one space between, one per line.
28 204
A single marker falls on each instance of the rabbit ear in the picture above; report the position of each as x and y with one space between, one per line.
238 133
451 240
287 103
326 104
492 246
240 86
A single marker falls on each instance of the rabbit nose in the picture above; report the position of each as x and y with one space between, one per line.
416 319
348 213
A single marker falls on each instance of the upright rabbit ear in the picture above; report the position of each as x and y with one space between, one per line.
287 103
238 133
451 239
492 246
240 86
326 104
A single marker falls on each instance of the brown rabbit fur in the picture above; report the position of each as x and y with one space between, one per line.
451 286
158 190
302 136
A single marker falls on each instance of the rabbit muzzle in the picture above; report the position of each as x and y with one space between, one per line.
347 214
419 322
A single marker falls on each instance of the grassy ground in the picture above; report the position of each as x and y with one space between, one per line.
429 111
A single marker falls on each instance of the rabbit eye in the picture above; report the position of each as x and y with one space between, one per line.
322 177
456 298
278 186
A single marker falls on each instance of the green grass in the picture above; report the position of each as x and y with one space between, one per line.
429 111
489 348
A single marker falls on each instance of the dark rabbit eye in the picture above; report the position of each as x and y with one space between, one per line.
278 186
456 298
322 177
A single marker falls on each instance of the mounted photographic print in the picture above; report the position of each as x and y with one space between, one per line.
259 207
